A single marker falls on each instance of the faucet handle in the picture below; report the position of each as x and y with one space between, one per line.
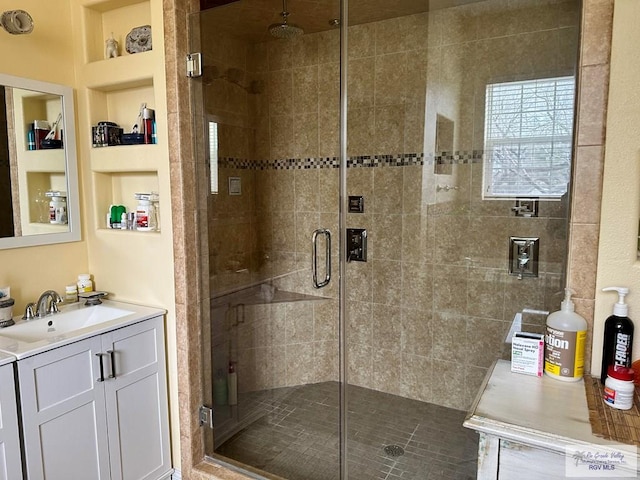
53 305
28 311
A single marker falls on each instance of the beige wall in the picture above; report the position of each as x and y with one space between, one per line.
618 262
46 55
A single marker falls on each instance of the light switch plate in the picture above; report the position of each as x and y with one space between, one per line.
235 186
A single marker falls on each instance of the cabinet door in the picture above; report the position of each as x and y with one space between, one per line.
137 411
10 460
63 413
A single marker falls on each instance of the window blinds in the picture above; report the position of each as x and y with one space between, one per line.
213 156
528 137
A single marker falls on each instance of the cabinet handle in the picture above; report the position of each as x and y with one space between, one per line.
101 379
112 355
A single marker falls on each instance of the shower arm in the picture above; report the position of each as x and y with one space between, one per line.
284 13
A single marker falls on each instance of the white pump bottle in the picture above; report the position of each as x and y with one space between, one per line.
565 342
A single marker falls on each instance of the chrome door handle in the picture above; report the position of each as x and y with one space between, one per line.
112 357
314 257
101 379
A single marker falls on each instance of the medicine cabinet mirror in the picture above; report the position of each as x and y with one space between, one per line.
39 195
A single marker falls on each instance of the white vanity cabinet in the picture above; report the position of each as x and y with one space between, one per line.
532 428
10 462
97 408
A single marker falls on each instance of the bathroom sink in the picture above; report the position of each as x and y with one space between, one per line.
73 323
61 323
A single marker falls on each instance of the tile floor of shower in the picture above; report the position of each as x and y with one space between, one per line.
294 435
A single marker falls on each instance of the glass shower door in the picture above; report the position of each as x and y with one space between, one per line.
268 122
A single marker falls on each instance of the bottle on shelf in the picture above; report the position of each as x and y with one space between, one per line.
148 124
57 207
41 130
146 218
31 138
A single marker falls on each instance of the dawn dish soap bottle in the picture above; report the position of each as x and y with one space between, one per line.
564 342
618 335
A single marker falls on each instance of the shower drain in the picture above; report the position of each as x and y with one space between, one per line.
394 450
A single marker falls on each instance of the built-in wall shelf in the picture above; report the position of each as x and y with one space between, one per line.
125 158
113 90
262 294
118 17
128 234
120 104
120 72
51 161
119 188
38 227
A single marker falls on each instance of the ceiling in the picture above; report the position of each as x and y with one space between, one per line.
249 19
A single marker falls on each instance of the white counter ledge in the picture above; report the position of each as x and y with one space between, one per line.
526 423
6 358
75 322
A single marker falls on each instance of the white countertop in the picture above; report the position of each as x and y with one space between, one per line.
19 348
6 358
538 411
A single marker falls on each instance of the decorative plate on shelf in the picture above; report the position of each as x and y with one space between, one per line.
139 39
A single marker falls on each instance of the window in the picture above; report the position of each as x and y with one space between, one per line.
213 155
528 137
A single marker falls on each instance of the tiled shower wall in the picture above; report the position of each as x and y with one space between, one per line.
429 311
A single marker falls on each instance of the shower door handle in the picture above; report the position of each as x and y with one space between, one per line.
314 257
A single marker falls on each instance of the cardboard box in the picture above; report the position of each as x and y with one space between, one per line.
527 353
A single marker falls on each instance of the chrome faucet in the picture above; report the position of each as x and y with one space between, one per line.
42 309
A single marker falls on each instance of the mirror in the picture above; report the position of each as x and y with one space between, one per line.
39 195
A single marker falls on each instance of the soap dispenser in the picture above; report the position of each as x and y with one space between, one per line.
564 342
618 335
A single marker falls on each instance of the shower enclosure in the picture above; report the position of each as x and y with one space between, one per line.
373 167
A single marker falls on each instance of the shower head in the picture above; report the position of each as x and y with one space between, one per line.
285 29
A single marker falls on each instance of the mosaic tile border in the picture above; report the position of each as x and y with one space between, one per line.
361 161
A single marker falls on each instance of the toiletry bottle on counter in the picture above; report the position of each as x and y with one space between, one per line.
565 342
71 293
619 388
618 335
84 283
